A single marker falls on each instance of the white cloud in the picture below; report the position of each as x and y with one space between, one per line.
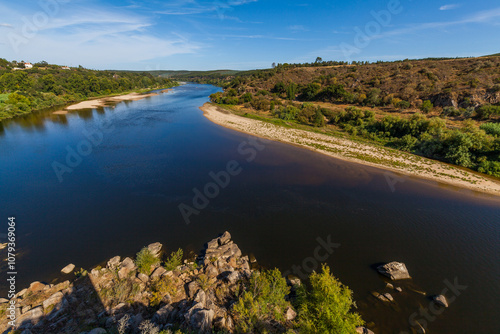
449 7
191 7
92 36
6 25
297 28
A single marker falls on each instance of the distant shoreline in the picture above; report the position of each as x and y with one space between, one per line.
353 151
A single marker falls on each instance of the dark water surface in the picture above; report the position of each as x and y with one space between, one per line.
125 194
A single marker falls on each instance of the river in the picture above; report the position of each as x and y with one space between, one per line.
93 184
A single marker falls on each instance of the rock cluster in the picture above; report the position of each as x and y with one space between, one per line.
196 295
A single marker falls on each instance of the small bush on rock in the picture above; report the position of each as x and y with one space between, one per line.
145 260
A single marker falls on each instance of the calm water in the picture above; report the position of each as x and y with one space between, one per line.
125 194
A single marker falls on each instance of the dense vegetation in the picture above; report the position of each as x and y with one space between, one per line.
442 109
325 306
26 90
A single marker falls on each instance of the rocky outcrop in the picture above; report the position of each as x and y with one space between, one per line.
394 270
196 295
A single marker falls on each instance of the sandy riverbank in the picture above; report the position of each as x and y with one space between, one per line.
102 102
354 151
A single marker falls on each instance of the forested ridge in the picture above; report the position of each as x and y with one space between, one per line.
444 109
23 90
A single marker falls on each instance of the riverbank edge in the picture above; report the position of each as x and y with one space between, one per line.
68 104
103 101
363 153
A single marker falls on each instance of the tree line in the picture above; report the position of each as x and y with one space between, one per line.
44 86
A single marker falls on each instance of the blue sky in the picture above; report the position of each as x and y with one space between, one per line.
242 34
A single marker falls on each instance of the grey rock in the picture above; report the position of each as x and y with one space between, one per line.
143 277
290 314
388 296
129 264
155 249
191 289
201 298
69 268
440 300
113 262
201 320
394 270
33 315
225 238
55 299
123 273
233 277
162 315
214 243
158 272
211 271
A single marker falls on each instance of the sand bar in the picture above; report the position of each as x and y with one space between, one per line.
104 101
359 152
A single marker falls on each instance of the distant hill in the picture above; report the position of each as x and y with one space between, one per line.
455 82
186 74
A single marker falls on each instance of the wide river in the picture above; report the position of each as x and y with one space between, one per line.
121 190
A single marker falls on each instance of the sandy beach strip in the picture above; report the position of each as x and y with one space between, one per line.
358 152
102 102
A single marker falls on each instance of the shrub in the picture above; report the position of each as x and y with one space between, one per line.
405 143
326 308
247 97
145 260
488 110
427 106
263 301
309 92
160 288
174 260
490 168
121 290
491 128
204 281
451 111
402 104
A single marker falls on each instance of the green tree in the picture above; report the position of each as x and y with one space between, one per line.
326 307
264 301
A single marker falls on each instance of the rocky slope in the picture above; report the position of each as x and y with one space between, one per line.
196 295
